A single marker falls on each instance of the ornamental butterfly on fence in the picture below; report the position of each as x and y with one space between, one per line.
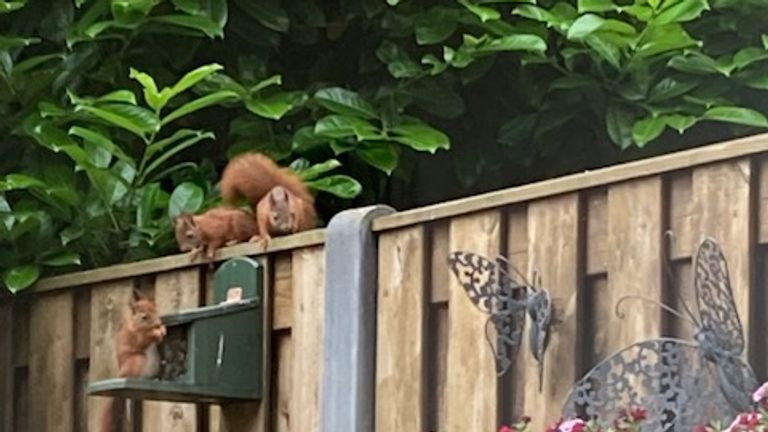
680 383
492 289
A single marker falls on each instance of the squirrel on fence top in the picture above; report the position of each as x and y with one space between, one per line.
280 201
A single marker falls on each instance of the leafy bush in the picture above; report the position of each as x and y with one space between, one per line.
362 97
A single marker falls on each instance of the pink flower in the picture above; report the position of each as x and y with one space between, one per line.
573 425
506 428
761 393
744 421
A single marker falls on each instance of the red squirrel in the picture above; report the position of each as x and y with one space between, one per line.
280 201
137 354
213 229
278 196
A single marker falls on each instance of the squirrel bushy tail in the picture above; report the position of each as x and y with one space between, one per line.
253 175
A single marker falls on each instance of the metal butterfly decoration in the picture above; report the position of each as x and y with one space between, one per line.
680 383
493 290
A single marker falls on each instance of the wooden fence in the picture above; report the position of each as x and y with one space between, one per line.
61 335
593 237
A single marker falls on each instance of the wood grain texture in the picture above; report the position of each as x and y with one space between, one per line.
721 196
174 291
439 250
82 323
682 216
553 239
283 383
307 335
282 315
51 363
6 368
617 173
21 333
176 262
513 386
401 304
470 389
634 262
597 232
109 307
762 196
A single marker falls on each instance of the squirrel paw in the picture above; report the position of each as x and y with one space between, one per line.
262 241
194 253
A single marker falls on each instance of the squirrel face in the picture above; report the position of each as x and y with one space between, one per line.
188 235
144 316
281 216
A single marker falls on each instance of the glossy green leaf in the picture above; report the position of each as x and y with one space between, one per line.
738 115
198 104
380 155
70 234
10 42
177 136
517 42
587 24
195 76
664 38
274 106
151 94
21 277
681 11
647 129
680 122
420 137
120 96
97 139
316 170
266 83
595 6
63 259
342 186
175 149
340 126
211 28
186 198
10 6
438 24
619 122
482 12
134 119
343 101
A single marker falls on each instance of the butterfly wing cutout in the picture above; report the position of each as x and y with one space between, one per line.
667 377
720 334
539 306
714 298
494 292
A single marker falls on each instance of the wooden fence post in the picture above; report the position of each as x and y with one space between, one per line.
350 321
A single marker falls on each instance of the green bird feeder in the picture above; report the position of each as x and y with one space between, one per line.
210 354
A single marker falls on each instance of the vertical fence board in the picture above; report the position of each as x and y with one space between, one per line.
81 396
307 335
721 194
51 363
282 316
21 333
762 185
597 249
682 215
513 385
400 331
553 236
439 250
174 291
634 262
82 324
283 383
6 367
21 402
109 307
470 389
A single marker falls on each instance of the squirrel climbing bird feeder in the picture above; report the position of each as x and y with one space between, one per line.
212 353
